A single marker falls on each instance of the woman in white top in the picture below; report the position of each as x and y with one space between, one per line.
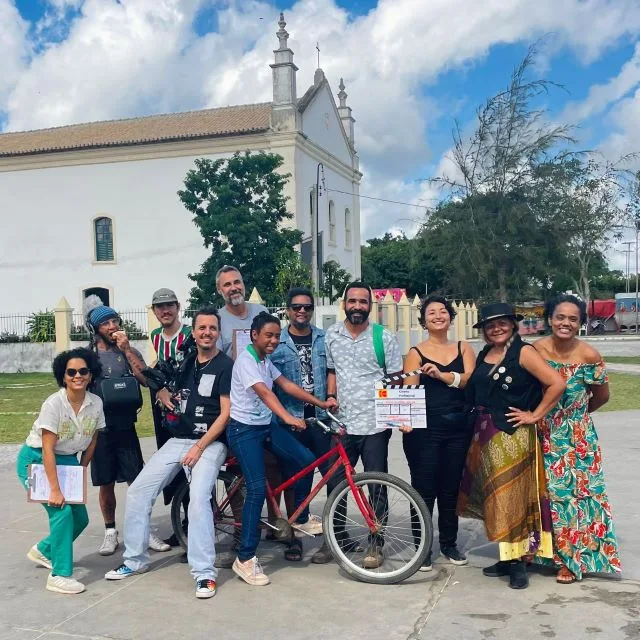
67 424
251 429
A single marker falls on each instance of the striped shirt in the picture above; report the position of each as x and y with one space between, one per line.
167 348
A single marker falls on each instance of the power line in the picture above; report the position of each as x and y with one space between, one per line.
408 204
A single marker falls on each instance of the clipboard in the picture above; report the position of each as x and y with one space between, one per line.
72 479
240 341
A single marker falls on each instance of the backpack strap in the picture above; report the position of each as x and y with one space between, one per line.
378 345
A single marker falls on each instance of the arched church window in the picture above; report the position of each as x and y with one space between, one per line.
103 238
332 222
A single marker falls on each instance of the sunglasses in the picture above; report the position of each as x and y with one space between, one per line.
72 373
301 307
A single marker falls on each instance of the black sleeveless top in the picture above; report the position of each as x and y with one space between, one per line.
510 385
440 397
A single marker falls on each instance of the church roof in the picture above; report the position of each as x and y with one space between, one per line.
206 123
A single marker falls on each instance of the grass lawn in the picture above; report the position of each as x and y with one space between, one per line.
623 359
21 395
19 405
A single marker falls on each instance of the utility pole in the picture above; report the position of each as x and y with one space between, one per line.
637 228
627 255
316 268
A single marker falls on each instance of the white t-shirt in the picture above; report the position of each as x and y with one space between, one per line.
74 431
246 406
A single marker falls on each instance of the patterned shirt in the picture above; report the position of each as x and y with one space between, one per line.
357 371
74 431
164 348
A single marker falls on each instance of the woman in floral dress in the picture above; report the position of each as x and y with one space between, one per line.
583 532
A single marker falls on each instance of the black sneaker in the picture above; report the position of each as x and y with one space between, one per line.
497 570
518 578
172 540
427 565
453 555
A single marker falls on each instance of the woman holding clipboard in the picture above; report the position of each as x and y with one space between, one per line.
67 424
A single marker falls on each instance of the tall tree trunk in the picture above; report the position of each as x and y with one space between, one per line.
502 283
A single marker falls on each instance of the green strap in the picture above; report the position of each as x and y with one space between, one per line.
378 345
253 352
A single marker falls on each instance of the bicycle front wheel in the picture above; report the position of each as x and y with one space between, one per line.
398 541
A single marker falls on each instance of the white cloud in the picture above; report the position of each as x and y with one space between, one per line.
13 49
131 57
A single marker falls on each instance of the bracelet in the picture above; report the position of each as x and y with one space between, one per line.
332 395
456 380
199 447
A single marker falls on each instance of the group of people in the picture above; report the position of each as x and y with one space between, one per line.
509 437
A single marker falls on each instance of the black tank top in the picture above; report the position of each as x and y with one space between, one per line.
440 397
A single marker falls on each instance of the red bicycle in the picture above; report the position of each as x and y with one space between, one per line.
365 508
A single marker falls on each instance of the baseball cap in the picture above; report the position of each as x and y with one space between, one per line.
162 296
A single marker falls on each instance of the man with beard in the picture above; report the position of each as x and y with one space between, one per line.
117 457
301 358
196 441
237 314
353 370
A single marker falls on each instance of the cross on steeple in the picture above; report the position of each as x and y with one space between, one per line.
318 50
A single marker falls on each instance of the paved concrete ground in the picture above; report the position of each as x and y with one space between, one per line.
308 601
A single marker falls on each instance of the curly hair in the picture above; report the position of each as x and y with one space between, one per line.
431 299
261 320
550 307
60 362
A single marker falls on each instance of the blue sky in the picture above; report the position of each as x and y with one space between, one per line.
411 67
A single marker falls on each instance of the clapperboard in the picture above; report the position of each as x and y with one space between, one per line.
400 406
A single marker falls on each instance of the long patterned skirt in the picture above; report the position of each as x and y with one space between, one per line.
503 484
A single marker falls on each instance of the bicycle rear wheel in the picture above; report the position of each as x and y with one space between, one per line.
223 518
402 527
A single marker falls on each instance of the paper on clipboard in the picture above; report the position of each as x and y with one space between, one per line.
72 480
240 341
400 407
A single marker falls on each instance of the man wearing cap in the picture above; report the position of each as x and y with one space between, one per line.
237 313
166 341
117 457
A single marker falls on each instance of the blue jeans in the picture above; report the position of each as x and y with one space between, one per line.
247 442
154 477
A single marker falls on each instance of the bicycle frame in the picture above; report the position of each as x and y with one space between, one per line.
343 460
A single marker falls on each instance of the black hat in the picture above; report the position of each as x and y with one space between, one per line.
496 310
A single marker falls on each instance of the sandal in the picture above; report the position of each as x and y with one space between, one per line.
565 576
293 553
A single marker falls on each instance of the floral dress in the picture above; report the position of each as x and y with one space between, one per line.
584 537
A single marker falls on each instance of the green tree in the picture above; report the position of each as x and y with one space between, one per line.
239 207
400 262
334 280
292 272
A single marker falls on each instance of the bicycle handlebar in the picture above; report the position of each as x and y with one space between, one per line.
339 429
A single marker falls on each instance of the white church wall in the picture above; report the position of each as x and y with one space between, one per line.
321 123
47 241
336 181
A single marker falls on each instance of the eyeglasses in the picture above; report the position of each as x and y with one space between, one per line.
72 373
301 307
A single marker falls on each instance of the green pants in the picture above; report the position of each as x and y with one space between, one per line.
65 524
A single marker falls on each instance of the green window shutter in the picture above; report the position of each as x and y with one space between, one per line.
104 239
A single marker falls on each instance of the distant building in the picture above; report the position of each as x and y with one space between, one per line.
92 208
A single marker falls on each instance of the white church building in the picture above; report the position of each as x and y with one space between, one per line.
93 208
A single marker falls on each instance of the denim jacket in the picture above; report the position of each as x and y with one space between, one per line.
287 361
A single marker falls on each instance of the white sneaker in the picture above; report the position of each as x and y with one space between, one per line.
155 544
60 584
313 526
35 555
110 543
251 572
